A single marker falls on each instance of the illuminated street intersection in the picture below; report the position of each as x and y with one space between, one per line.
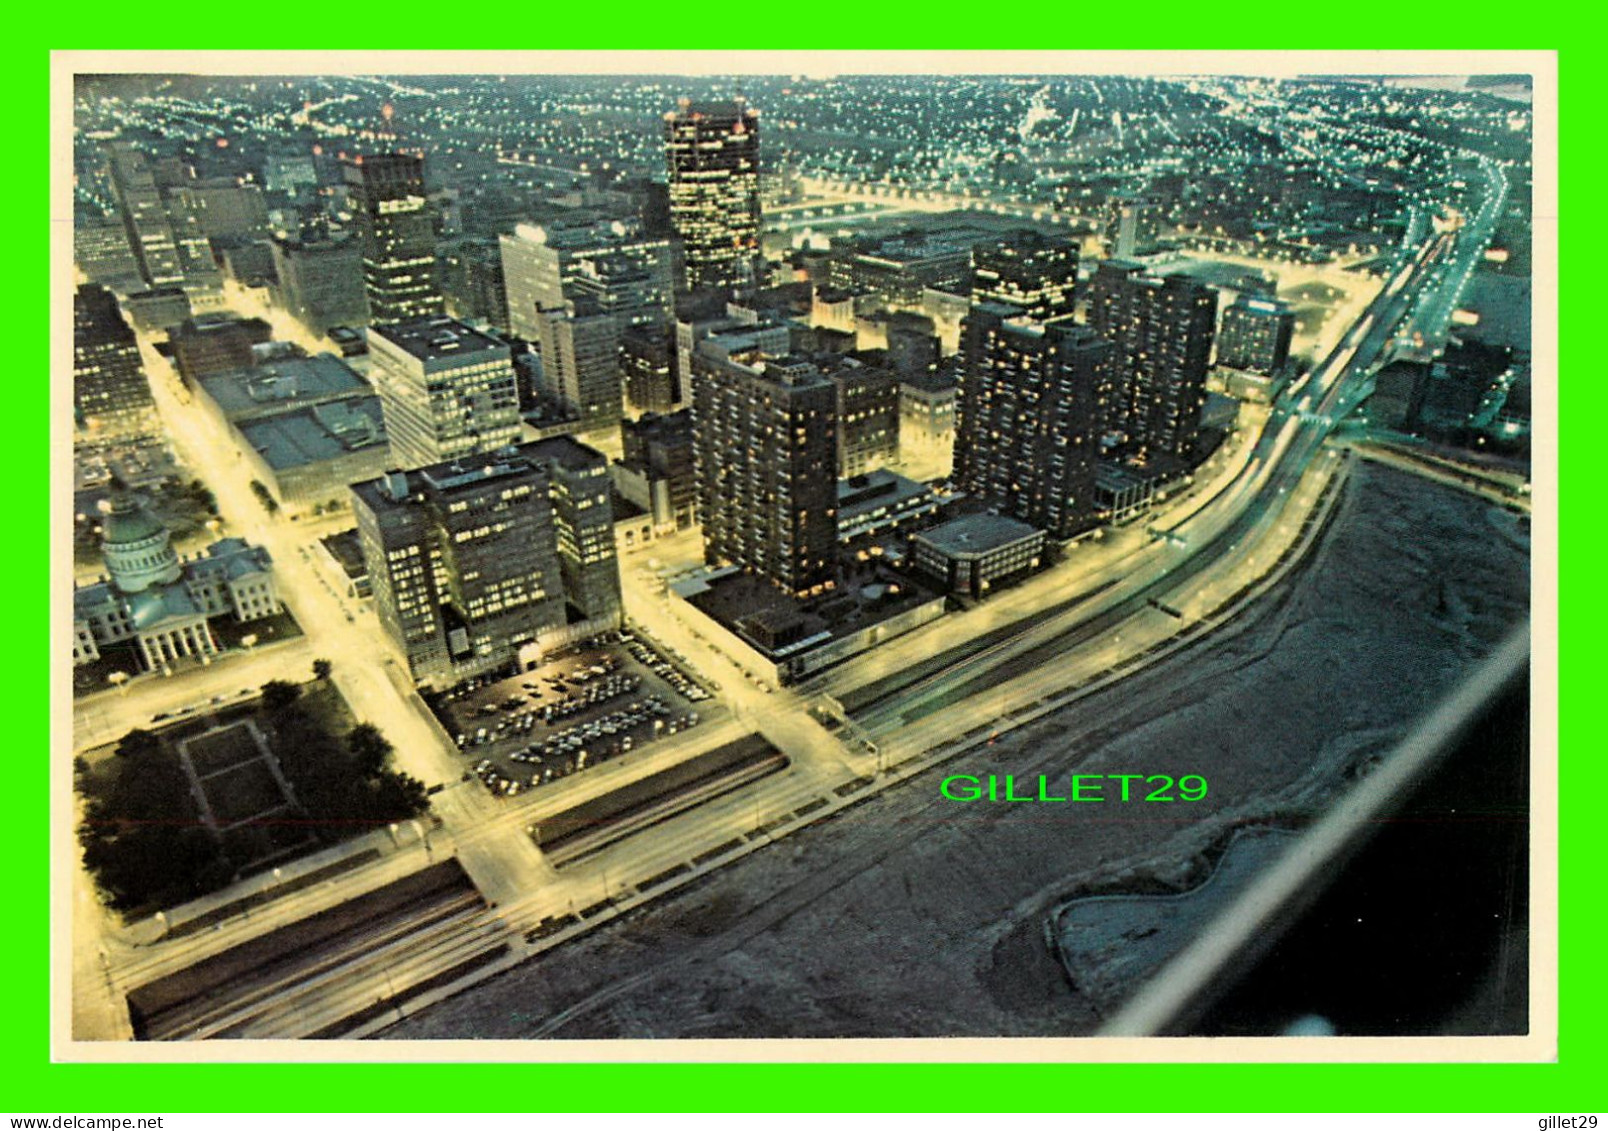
622 765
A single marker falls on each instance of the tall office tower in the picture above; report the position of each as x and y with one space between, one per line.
647 355
101 251
613 264
764 444
464 562
574 290
713 161
471 274
580 349
396 230
1032 272
1162 330
111 397
867 415
1256 334
1027 416
579 486
321 282
446 390
145 216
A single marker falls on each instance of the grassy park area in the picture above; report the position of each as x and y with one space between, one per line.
188 809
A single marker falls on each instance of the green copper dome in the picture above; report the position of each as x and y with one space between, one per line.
127 520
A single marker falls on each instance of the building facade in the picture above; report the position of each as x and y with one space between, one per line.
1255 335
447 390
867 416
765 446
396 233
320 282
1027 417
163 604
712 158
647 358
1033 273
1162 331
111 395
971 555
659 471
475 567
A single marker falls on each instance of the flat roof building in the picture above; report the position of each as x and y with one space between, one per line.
306 426
979 552
484 563
448 390
1255 335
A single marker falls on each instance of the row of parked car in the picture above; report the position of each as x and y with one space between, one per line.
612 687
649 658
583 745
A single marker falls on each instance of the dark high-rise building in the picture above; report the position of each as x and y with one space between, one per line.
473 563
1034 273
765 440
447 390
471 274
647 356
396 231
1256 334
661 468
712 150
1162 330
321 282
111 397
867 415
1027 416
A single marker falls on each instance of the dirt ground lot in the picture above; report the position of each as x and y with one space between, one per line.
912 915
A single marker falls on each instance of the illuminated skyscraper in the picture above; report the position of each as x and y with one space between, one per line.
1162 329
713 155
1027 416
396 228
111 397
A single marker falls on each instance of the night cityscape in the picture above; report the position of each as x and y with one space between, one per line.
710 556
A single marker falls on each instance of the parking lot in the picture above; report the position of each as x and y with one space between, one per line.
585 705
